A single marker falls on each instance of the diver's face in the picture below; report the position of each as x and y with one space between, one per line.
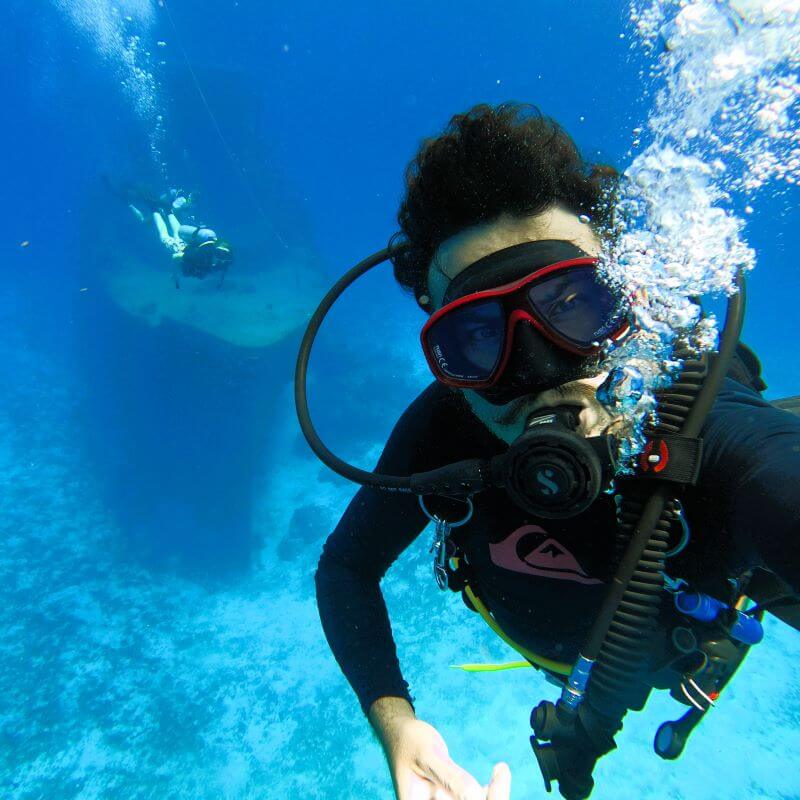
457 253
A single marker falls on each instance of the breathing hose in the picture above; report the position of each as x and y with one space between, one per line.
620 639
638 584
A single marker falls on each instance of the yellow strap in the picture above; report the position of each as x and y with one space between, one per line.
743 603
558 667
491 667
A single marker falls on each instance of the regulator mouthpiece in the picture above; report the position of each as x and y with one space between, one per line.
551 471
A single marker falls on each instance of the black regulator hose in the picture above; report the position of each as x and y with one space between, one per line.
461 479
325 455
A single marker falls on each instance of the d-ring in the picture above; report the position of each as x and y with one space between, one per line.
433 518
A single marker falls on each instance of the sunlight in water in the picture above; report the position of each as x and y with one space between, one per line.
121 34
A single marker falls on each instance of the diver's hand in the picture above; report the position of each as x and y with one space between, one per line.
419 761
500 785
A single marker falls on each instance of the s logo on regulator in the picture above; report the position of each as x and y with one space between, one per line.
548 486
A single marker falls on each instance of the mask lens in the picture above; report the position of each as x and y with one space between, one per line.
576 305
467 344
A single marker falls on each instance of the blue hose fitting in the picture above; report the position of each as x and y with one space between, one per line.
575 687
698 606
746 629
740 626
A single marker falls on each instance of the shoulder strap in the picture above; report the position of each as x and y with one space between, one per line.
791 404
671 457
746 368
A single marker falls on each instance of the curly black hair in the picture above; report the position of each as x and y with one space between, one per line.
489 161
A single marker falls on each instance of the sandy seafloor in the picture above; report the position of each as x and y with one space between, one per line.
122 683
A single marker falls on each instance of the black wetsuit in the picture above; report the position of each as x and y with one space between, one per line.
545 579
199 262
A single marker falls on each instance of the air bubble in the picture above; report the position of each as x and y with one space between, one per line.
723 122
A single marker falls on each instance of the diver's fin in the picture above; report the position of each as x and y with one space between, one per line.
767 589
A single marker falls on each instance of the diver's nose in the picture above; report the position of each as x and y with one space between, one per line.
534 358
535 364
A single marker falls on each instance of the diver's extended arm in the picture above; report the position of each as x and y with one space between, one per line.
436 429
374 530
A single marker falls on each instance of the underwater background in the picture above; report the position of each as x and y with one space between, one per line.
160 514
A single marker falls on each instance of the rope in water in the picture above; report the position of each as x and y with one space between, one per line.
237 167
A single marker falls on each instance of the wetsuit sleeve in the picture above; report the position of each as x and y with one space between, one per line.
375 529
752 452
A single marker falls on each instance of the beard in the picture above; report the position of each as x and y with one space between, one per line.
593 418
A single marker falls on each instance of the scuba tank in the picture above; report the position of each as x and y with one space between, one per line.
196 234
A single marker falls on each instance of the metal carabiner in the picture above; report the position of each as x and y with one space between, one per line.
440 535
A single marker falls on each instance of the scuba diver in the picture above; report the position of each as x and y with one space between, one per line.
659 584
196 250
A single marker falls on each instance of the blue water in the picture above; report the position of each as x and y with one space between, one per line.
161 515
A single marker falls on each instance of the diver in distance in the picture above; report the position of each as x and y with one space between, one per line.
610 595
197 251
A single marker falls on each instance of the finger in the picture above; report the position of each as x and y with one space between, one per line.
500 785
415 787
457 782
410 786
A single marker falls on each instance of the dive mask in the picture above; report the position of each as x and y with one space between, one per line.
475 340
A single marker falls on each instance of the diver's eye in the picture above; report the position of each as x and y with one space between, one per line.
567 303
484 333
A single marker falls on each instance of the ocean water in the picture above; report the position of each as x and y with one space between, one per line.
161 515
